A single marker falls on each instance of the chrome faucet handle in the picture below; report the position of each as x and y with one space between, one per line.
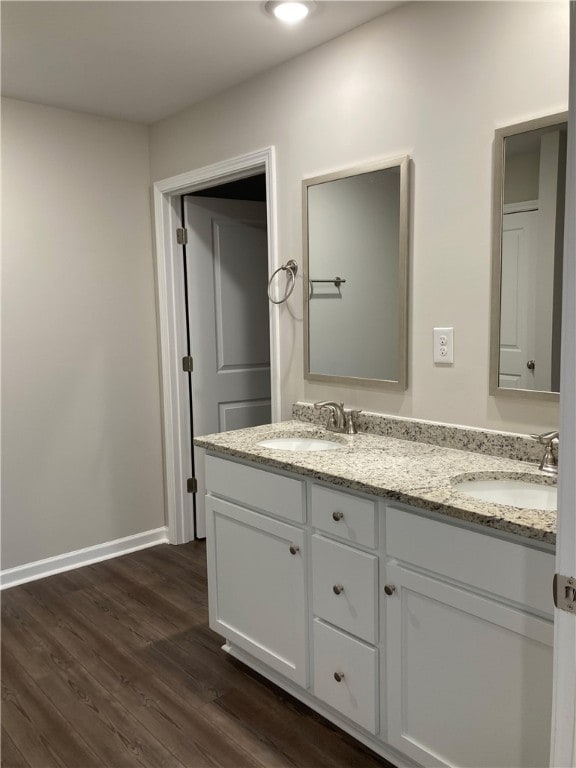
336 419
350 420
546 437
549 461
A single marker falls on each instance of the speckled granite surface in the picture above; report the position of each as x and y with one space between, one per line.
419 474
507 444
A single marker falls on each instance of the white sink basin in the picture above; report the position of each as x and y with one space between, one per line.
514 493
300 444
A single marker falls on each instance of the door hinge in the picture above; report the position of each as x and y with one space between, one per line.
192 485
565 593
187 364
182 236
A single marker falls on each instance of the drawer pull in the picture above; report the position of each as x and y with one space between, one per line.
294 549
389 589
337 516
338 676
337 589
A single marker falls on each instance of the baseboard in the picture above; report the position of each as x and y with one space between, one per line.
39 569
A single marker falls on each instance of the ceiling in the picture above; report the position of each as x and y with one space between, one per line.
143 60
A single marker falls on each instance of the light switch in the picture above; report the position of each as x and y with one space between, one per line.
444 346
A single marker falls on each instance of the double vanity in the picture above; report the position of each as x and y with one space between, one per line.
367 576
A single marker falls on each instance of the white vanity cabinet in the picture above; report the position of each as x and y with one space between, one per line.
257 565
428 640
469 672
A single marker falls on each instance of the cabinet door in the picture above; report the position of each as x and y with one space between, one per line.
469 680
256 586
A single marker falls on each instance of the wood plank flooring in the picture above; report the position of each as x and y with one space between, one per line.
113 665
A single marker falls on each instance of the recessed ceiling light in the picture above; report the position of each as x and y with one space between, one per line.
289 12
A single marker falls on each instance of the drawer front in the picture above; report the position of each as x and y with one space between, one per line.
345 587
259 488
345 516
506 569
356 664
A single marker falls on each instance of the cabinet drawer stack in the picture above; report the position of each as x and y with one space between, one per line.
345 604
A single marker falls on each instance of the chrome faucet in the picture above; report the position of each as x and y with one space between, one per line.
339 419
549 461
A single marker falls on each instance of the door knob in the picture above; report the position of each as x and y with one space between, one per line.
338 676
337 589
389 589
531 364
294 549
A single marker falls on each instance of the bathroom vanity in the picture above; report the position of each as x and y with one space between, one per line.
416 618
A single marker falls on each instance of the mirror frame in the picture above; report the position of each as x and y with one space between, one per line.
498 169
377 165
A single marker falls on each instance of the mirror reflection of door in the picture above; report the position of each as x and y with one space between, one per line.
532 242
517 327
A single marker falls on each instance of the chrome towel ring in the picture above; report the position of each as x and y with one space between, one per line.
292 268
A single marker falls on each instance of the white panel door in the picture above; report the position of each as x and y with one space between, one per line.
446 646
227 281
227 271
518 299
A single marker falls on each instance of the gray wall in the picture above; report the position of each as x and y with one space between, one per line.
81 441
431 80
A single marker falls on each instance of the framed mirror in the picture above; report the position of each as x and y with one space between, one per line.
527 254
355 225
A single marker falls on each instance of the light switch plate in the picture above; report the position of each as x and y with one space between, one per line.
444 346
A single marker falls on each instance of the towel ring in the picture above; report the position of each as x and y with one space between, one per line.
292 268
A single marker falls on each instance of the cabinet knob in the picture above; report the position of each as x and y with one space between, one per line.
338 676
294 549
337 589
389 589
337 516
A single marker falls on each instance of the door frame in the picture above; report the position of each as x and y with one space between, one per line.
171 311
563 747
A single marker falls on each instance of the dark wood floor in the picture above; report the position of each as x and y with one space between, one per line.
114 665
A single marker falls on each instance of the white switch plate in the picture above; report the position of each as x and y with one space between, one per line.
444 346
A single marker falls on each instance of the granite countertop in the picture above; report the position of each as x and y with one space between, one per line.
414 473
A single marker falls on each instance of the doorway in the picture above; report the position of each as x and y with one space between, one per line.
225 276
177 429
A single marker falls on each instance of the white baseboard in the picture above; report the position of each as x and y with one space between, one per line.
39 569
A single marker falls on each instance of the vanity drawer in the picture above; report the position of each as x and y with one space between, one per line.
355 663
344 587
511 571
340 514
258 488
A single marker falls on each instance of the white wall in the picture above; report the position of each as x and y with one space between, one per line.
81 441
432 80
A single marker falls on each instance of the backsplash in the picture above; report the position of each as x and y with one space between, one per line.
505 444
